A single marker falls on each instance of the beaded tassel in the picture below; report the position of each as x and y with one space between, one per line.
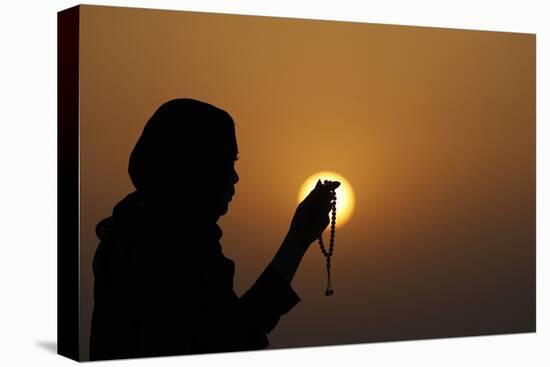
328 254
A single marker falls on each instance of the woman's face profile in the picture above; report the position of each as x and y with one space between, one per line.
225 185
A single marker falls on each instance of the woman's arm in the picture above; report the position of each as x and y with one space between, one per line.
271 296
288 257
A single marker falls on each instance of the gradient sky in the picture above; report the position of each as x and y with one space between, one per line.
434 129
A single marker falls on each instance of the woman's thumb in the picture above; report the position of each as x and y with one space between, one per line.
318 184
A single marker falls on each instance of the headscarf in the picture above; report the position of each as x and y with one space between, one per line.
181 148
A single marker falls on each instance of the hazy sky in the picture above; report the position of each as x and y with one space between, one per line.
433 128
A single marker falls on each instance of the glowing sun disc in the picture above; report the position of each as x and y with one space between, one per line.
345 198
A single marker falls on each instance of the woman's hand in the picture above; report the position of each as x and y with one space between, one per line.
312 215
309 222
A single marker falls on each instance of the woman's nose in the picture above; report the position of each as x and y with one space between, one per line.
235 177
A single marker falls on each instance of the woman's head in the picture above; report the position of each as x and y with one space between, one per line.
186 155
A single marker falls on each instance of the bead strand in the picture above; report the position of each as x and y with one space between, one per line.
328 254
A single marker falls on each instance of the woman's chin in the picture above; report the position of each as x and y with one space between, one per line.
223 208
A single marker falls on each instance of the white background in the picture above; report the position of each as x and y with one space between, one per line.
28 166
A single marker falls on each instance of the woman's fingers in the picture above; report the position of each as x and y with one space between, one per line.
331 185
313 214
326 195
326 187
322 196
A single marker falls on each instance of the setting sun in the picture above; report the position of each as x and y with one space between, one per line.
345 198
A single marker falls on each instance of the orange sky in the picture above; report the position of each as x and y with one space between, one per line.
434 129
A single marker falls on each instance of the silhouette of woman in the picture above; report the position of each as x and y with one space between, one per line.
162 285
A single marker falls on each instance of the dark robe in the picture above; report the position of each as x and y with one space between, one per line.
162 286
